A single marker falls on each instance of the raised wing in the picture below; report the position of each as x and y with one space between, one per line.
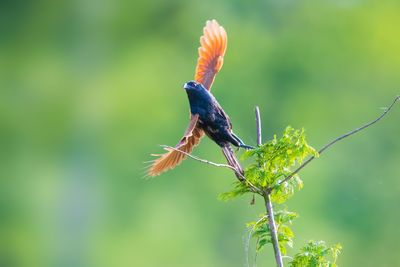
211 53
173 158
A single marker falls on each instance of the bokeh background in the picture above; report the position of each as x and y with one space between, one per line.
90 88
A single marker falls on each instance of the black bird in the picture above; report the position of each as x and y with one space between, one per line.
212 118
206 115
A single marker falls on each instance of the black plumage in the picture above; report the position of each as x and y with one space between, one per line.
212 118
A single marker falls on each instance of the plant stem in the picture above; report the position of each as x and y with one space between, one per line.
273 230
268 204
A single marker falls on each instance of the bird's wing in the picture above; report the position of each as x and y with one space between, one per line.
221 111
173 158
211 57
211 53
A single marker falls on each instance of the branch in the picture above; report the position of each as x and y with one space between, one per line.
338 139
254 188
258 122
273 230
199 159
268 204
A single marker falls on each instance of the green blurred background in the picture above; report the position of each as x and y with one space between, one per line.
90 88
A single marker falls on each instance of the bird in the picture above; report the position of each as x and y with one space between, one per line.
207 117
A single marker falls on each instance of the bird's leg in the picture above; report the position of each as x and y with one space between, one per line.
240 143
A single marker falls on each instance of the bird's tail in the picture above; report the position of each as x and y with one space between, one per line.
232 161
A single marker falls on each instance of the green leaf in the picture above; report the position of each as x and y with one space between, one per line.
261 230
274 161
316 254
238 190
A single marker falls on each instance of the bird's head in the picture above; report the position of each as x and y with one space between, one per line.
192 86
198 95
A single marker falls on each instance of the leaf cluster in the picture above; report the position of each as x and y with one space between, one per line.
261 231
272 162
315 254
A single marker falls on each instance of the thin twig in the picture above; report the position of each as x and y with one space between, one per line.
258 123
199 159
268 204
338 139
254 188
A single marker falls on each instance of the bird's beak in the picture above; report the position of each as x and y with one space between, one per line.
186 86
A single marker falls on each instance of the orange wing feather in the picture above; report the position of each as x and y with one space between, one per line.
173 158
211 53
